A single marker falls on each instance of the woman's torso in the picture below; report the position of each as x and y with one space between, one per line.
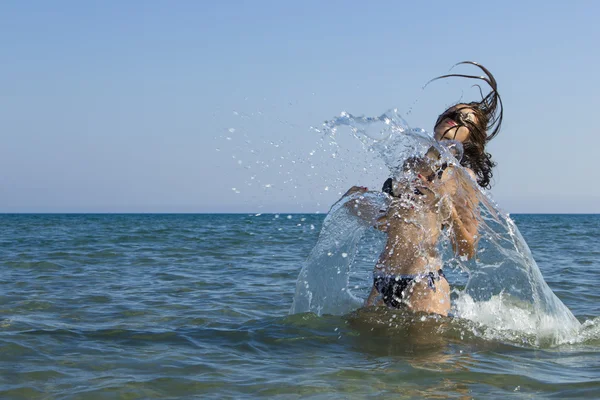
413 228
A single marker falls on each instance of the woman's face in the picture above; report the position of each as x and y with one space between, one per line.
452 125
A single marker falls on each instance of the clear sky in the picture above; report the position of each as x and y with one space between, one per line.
198 106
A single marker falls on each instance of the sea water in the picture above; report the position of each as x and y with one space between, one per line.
196 306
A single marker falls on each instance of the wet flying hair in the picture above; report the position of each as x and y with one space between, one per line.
489 114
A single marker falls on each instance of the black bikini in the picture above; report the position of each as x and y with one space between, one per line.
387 186
394 288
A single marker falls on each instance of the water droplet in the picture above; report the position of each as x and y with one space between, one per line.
344 255
231 130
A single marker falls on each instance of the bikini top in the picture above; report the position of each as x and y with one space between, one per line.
387 187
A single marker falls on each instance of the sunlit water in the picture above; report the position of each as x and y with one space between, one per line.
196 306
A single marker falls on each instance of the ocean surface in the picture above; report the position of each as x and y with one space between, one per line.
197 306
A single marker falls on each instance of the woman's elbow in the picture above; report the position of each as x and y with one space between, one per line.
467 247
470 252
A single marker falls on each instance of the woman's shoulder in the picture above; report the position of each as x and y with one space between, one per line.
471 174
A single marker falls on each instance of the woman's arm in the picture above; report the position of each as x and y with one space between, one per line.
464 221
462 207
368 206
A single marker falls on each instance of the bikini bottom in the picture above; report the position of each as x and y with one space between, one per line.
394 288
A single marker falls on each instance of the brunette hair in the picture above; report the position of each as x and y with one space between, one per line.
489 113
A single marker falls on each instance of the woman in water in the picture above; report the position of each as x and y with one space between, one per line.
409 271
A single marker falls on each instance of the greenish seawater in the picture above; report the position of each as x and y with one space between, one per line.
196 306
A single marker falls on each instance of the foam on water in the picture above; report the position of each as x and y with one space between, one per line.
505 290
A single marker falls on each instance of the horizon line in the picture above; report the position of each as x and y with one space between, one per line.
229 213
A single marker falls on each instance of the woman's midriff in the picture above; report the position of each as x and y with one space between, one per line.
411 244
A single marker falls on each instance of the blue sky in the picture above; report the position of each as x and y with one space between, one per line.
194 106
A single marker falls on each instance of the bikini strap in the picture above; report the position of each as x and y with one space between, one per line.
430 282
431 278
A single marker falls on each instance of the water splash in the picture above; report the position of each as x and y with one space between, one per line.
505 290
322 285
